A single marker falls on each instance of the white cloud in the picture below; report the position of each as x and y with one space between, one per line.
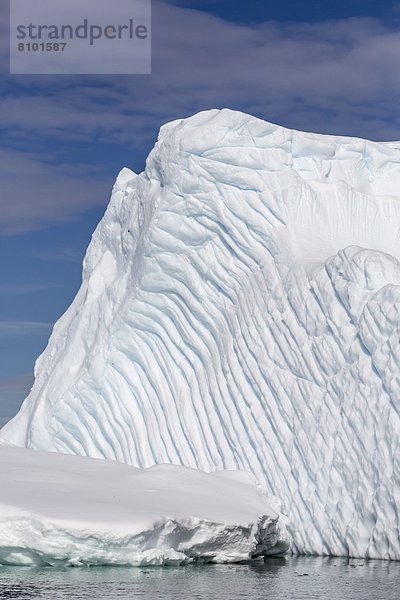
332 77
201 61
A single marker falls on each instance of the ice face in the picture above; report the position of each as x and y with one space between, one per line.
240 309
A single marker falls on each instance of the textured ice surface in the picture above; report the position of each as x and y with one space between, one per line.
240 308
62 509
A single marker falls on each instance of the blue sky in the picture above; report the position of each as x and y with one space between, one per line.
330 67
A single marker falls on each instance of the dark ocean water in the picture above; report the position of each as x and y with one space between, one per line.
287 578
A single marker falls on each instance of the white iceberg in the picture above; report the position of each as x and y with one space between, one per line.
240 309
61 509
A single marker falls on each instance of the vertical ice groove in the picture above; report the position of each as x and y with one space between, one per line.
240 308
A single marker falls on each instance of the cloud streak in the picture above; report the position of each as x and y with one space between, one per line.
20 384
24 328
20 289
67 254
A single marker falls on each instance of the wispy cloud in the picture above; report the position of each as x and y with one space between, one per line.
68 254
24 328
20 384
34 193
284 71
20 289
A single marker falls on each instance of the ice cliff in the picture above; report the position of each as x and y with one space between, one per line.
240 309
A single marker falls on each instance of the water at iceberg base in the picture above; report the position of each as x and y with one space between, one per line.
289 578
240 309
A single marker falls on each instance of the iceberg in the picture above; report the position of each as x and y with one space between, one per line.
57 509
240 309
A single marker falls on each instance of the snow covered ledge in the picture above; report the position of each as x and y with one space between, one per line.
63 509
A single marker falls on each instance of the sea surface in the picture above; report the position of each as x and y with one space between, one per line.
288 578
